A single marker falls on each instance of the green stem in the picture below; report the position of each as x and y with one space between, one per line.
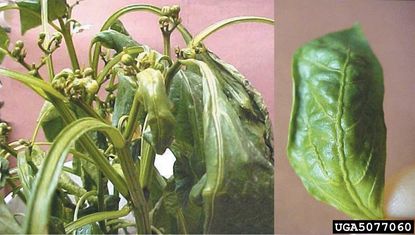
140 206
26 10
166 43
88 145
132 121
101 194
95 217
139 7
88 109
148 156
81 201
8 149
66 32
81 155
16 188
221 24
170 74
44 16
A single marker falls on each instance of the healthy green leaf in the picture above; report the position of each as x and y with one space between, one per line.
8 224
47 178
238 193
56 8
4 43
337 141
152 94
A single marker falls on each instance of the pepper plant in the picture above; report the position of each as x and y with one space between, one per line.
115 114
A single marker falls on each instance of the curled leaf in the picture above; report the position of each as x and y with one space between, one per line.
152 94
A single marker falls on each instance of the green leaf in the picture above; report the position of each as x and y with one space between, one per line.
186 94
246 101
50 121
337 140
8 224
124 99
115 40
47 179
238 194
25 172
4 43
39 86
152 94
119 27
56 9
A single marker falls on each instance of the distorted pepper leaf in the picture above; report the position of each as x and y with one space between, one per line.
246 101
119 27
238 193
152 94
115 40
337 140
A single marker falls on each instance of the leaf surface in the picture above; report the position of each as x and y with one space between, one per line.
337 140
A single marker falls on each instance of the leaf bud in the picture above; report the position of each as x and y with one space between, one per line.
19 44
128 60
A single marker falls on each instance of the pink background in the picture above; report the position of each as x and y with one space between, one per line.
249 47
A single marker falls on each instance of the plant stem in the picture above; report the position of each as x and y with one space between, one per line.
44 16
140 206
8 149
166 43
101 194
92 218
66 32
88 145
132 118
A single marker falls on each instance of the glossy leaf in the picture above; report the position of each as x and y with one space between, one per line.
238 193
152 94
337 141
4 43
47 178
8 224
56 8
